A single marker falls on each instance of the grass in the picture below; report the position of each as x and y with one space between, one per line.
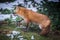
27 35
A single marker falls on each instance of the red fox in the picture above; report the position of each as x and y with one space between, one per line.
29 16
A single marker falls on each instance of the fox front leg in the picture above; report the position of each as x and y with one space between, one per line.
27 24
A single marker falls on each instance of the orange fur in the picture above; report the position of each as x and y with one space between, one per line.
29 16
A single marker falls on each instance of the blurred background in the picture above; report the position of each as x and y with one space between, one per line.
9 22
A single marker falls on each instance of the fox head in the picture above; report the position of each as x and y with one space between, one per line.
20 11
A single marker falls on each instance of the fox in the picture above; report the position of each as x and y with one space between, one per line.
30 16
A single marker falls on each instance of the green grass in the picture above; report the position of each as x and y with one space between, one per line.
27 35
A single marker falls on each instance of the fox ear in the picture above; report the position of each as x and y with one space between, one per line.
17 7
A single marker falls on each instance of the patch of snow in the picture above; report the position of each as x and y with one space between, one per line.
15 32
3 16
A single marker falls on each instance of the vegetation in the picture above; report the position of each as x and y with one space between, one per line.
5 11
9 21
4 37
2 1
27 35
